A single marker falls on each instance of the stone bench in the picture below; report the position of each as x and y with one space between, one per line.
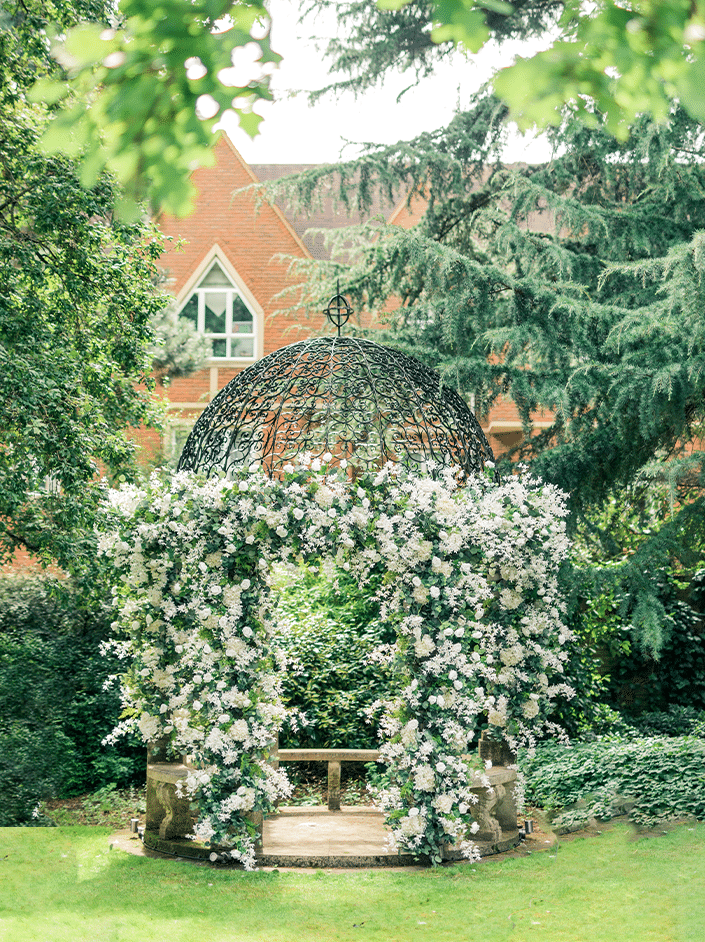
333 758
495 810
167 813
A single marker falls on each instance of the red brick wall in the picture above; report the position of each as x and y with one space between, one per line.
249 237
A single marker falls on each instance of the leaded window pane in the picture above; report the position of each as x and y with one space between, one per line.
216 303
217 310
242 347
240 313
190 310
216 277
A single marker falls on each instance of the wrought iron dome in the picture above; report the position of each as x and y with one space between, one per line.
353 398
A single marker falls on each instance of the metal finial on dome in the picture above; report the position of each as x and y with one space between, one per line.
353 399
338 310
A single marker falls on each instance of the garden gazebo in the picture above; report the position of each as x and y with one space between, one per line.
352 399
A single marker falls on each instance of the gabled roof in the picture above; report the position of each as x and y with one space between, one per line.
248 236
332 215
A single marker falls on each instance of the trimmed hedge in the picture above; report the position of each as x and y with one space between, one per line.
329 627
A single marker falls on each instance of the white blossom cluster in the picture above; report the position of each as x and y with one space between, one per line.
470 581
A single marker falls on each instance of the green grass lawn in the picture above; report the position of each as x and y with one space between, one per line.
65 883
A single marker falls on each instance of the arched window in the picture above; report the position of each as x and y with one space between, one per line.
216 309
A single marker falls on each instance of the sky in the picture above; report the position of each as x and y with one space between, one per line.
333 129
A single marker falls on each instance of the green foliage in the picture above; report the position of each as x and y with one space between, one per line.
54 711
176 350
381 35
612 59
77 295
108 806
675 721
616 59
639 681
654 779
329 627
142 89
572 288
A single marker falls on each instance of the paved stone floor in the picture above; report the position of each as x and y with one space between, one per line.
305 837
352 837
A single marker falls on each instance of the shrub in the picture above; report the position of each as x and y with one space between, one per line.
54 711
640 682
654 778
329 626
675 721
615 679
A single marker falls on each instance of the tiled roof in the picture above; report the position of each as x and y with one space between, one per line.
331 215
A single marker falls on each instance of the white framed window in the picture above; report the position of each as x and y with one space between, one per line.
217 310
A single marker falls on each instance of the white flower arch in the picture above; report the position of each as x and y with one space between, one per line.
470 581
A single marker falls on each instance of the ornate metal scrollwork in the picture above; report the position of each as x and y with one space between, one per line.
359 400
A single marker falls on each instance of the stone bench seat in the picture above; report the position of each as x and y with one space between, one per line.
172 816
333 758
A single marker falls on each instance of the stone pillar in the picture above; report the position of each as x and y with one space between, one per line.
498 753
167 812
333 785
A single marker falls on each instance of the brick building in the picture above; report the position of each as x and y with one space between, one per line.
222 267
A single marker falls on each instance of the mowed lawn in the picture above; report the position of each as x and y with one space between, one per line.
66 885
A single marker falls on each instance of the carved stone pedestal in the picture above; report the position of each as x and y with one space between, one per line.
167 814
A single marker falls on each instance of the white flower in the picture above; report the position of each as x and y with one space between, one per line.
495 718
443 803
424 779
424 646
435 592
245 584
239 730
298 513
243 486
530 709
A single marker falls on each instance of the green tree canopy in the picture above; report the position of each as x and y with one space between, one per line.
621 58
572 287
144 82
76 297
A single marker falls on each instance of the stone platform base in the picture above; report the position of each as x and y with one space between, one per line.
316 837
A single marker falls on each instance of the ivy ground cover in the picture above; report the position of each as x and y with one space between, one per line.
468 577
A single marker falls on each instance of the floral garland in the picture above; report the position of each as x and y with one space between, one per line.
470 581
